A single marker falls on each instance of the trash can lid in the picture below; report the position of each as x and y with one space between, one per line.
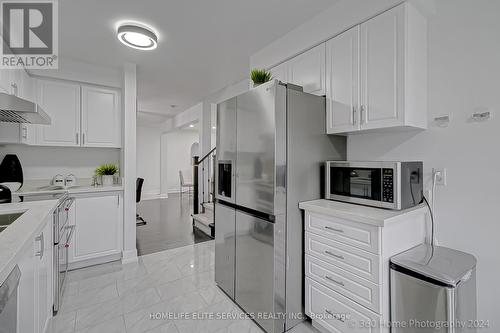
437 263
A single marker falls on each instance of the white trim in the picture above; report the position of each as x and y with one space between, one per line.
129 256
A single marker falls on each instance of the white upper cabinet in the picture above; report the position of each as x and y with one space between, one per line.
280 72
308 70
101 117
342 86
392 79
61 101
5 80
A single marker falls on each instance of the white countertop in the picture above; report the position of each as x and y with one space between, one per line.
17 236
26 190
358 213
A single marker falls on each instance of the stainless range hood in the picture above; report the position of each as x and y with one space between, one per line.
14 109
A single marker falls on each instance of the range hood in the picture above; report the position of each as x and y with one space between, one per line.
14 109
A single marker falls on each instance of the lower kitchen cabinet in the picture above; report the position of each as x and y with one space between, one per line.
35 286
98 220
347 252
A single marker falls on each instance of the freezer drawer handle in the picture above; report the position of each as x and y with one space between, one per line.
334 229
338 256
336 316
340 283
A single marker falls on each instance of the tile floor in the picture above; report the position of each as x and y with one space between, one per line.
121 298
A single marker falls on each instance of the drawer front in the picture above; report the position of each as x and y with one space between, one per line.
351 259
357 289
337 313
363 236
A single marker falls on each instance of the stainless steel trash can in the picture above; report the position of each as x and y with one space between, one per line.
433 289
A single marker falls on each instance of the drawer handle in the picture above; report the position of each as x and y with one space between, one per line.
336 316
334 229
340 283
338 256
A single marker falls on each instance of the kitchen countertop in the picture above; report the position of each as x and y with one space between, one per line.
15 239
27 190
358 213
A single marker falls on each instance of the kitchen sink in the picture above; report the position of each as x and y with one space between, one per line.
8 219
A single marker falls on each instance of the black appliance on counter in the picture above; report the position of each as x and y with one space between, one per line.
5 194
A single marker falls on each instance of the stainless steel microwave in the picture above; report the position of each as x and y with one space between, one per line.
392 185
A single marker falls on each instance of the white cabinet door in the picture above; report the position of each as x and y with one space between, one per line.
382 56
342 82
98 227
101 117
26 318
45 279
280 72
61 101
308 70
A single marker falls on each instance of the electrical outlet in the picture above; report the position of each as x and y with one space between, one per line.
441 178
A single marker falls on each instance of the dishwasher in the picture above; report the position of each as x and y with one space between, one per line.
8 302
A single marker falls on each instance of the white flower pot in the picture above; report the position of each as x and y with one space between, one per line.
107 180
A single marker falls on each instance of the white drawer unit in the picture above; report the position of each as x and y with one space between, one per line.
347 252
363 236
351 259
360 290
337 313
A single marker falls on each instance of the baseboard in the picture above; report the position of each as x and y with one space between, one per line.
129 256
154 196
94 261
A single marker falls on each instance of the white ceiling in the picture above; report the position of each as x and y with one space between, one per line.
204 45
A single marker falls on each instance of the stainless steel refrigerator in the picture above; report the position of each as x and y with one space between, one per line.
271 142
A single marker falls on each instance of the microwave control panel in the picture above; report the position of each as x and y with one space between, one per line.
388 185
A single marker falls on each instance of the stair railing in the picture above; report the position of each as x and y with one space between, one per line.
207 182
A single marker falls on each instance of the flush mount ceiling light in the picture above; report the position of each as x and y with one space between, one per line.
137 37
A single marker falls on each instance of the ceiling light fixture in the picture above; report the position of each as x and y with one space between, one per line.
191 125
137 37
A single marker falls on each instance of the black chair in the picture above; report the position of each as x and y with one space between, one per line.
138 189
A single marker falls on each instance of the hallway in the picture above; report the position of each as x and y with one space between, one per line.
168 224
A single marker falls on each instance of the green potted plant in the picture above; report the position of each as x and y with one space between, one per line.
107 172
260 76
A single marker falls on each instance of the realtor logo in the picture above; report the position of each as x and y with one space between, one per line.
29 31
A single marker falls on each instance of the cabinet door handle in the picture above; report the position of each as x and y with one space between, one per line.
336 316
338 256
354 115
361 115
77 138
25 132
83 138
334 229
14 89
329 278
42 246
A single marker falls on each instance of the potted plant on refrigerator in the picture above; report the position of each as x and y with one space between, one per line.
107 172
260 76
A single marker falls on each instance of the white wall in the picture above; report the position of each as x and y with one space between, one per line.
464 76
43 163
178 152
149 160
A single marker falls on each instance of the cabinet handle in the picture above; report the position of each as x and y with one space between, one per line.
334 229
83 138
42 246
354 115
336 316
329 278
338 256
77 138
25 132
361 115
